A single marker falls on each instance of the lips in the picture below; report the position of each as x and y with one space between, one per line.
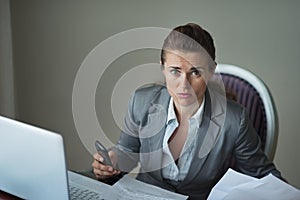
184 95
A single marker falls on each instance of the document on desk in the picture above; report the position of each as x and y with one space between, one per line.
129 188
234 185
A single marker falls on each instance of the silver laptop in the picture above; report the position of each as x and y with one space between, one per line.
32 165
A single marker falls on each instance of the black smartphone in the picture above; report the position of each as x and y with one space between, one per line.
103 152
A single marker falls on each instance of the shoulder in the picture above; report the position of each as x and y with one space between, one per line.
236 112
148 99
221 104
150 92
148 95
234 107
150 89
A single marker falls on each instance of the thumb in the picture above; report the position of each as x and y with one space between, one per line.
113 157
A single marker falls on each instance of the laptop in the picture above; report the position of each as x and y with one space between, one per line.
32 165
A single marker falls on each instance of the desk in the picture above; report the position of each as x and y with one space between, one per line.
6 196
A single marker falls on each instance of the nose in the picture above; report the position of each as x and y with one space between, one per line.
185 82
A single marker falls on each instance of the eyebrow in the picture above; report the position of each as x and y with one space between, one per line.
192 68
198 68
174 67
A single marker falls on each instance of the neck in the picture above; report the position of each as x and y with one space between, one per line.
186 112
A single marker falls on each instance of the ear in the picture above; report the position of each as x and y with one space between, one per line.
163 71
212 69
162 67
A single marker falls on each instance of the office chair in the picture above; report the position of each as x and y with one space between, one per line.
251 92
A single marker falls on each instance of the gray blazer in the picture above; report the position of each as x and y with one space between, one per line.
224 133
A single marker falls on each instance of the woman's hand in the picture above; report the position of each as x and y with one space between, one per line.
103 171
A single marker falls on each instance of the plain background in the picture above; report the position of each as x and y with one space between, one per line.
51 39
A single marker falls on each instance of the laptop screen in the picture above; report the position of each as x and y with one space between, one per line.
32 161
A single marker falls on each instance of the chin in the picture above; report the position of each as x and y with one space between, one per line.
186 103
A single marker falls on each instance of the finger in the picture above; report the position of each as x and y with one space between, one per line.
105 174
116 172
98 157
113 157
100 176
96 164
111 154
100 166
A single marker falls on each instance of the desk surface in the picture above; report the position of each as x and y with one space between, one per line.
6 196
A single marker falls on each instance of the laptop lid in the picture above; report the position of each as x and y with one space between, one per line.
32 162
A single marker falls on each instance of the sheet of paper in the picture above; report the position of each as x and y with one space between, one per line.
269 187
234 185
232 179
129 188
225 185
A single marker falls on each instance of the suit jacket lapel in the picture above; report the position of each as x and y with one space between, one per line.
157 117
208 132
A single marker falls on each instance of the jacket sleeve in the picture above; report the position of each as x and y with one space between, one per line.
128 146
250 159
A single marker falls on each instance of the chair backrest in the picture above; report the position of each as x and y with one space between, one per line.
252 93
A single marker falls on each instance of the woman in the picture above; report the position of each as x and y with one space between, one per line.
185 133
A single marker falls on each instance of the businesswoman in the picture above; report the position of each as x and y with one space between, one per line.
185 133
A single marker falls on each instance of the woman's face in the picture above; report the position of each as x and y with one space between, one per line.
186 74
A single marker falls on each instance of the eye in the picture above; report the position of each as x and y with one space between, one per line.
174 71
196 73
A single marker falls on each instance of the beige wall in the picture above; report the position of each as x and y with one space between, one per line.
6 62
52 38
